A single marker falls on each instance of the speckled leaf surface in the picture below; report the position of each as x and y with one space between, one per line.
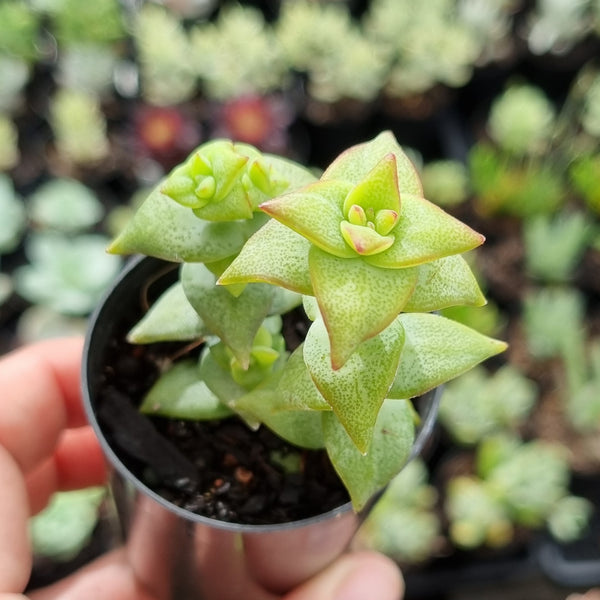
365 474
357 300
296 387
234 319
170 318
355 391
180 394
445 282
353 164
425 232
436 350
300 427
296 176
275 254
315 212
165 229
220 383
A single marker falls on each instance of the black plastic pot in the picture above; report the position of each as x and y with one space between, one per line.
178 554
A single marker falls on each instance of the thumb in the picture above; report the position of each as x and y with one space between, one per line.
355 576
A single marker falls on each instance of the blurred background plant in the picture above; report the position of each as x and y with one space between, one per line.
516 484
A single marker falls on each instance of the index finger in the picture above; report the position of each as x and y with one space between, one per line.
39 398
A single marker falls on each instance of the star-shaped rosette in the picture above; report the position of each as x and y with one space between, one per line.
207 207
358 240
365 243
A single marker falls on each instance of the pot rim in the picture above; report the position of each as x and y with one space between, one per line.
423 434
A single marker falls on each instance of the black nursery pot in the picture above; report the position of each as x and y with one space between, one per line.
175 553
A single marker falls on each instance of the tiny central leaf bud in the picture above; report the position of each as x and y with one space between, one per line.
258 173
385 221
365 240
356 215
205 189
200 165
181 189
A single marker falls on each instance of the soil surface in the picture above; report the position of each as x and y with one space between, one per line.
219 469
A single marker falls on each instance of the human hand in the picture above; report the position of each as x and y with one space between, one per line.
46 445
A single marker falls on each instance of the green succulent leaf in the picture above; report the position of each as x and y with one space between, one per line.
170 318
354 164
235 320
365 474
372 208
378 190
180 394
425 232
357 300
445 282
219 381
167 230
356 390
274 254
436 350
315 212
296 389
284 300
364 240
284 170
209 182
299 427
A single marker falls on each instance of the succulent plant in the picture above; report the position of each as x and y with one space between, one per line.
582 402
163 55
522 120
427 44
12 215
75 22
555 26
514 171
478 404
584 176
323 42
590 117
66 274
365 255
554 321
66 525
14 73
79 126
554 246
516 484
237 55
64 205
404 523
9 146
445 182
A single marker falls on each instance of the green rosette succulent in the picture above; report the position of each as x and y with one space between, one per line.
365 255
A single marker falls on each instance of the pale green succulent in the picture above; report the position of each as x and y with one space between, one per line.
426 42
360 249
167 75
516 484
237 55
79 126
9 143
323 42
522 120
555 26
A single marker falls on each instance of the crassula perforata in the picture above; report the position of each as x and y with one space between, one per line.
360 249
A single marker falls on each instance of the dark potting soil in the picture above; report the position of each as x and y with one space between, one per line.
219 469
